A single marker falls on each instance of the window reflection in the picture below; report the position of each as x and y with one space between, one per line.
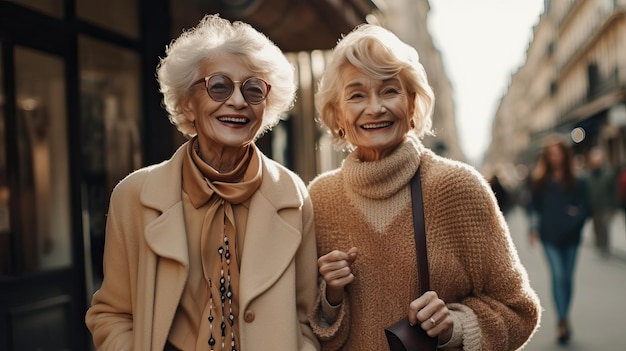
117 15
110 110
43 175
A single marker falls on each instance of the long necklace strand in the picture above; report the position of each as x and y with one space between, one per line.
226 292
211 338
229 295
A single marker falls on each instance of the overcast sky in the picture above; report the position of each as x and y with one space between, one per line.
482 43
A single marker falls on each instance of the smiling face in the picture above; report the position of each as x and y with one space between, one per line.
375 114
224 125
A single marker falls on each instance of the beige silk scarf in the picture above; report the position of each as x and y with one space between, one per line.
220 262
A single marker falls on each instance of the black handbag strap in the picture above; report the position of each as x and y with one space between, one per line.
419 228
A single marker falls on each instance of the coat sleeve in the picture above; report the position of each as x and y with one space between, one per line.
110 317
307 274
331 335
503 310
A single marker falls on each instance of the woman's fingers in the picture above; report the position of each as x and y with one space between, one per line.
335 268
416 308
432 314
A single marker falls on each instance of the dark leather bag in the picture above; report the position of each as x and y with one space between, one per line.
401 336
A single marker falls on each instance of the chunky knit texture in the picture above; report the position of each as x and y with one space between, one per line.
474 266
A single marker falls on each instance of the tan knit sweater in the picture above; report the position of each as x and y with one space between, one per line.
474 266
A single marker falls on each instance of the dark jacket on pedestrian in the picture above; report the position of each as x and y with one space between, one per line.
558 213
602 187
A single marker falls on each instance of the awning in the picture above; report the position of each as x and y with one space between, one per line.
294 25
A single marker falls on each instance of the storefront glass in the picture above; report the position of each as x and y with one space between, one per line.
111 140
117 15
43 172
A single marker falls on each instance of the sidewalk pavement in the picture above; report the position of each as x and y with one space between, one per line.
617 235
598 311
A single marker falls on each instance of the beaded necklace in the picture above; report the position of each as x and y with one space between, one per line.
226 298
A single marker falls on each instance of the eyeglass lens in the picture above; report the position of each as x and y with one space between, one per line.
220 88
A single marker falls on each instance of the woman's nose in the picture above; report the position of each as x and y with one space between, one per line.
236 99
375 104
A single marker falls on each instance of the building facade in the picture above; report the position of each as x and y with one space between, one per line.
409 20
573 82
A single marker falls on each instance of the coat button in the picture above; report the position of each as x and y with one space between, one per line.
249 316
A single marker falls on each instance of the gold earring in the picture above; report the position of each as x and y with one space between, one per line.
341 133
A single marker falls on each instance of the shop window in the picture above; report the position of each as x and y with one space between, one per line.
52 8
111 144
121 16
43 172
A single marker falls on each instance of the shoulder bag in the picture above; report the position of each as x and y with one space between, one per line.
401 336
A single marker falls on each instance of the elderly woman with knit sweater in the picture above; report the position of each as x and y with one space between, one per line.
376 102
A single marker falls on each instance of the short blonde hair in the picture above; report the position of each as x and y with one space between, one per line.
379 53
185 56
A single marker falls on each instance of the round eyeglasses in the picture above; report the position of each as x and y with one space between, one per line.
220 88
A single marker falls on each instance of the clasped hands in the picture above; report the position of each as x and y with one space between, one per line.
428 310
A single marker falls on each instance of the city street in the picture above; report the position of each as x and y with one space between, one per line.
598 313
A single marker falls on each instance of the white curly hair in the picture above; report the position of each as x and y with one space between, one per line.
180 68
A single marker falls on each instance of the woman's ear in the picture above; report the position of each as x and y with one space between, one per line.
336 112
188 109
411 110
411 104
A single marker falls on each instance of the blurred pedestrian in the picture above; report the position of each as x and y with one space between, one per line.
213 249
375 100
621 188
601 182
503 195
559 208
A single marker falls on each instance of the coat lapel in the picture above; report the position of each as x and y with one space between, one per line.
162 191
166 237
270 241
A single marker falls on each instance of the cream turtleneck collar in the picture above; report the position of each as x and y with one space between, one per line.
383 178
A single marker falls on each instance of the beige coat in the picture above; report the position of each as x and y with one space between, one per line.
146 263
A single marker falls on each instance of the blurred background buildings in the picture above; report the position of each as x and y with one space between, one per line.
573 83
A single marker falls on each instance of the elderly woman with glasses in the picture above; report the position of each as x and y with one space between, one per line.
375 100
213 249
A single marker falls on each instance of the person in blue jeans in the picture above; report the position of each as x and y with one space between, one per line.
558 210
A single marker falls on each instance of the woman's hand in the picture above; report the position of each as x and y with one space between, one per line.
433 316
336 269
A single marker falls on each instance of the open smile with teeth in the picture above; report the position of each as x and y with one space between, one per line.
236 120
376 125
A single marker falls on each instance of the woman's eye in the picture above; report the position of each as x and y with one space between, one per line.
355 96
218 88
390 91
